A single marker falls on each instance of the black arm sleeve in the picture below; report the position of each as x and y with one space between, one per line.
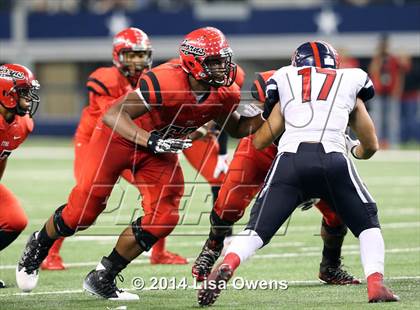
367 92
223 141
272 97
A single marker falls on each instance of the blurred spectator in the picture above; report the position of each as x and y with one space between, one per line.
410 112
347 61
387 73
105 6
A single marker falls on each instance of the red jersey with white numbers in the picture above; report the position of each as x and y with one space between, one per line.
12 135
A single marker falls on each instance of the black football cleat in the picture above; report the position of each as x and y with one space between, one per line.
27 270
336 275
206 260
214 284
101 282
2 284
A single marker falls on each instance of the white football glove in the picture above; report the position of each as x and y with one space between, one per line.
221 166
159 145
351 145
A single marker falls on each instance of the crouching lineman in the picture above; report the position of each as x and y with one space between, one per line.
18 103
313 110
143 132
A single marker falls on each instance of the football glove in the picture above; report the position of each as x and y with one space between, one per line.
221 166
351 145
158 145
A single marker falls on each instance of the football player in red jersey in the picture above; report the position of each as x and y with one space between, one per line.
143 132
18 103
131 55
244 180
208 155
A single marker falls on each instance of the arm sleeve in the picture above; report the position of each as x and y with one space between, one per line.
272 97
223 141
367 91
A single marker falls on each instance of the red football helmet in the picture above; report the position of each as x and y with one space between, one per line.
206 55
17 81
131 40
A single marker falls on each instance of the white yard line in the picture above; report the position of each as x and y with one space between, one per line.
142 261
205 227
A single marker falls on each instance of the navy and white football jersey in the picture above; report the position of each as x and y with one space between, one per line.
316 103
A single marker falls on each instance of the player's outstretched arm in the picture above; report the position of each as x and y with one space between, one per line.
363 126
270 130
120 118
239 126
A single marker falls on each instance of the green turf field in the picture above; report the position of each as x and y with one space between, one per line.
40 174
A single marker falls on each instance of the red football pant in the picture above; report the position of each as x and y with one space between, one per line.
203 157
244 179
159 179
80 149
12 216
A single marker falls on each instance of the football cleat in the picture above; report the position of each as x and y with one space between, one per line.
206 260
337 276
167 258
214 284
2 284
53 262
101 282
27 270
377 291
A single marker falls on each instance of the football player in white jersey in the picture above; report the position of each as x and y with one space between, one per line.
313 104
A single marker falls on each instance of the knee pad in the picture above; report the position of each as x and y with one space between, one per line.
60 227
143 238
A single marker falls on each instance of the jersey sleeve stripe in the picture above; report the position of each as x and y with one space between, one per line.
261 87
156 86
91 89
100 84
316 54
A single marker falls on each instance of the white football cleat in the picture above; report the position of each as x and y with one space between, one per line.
27 270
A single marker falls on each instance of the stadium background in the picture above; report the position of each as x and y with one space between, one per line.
63 41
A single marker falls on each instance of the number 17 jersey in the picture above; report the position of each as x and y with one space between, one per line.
316 104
